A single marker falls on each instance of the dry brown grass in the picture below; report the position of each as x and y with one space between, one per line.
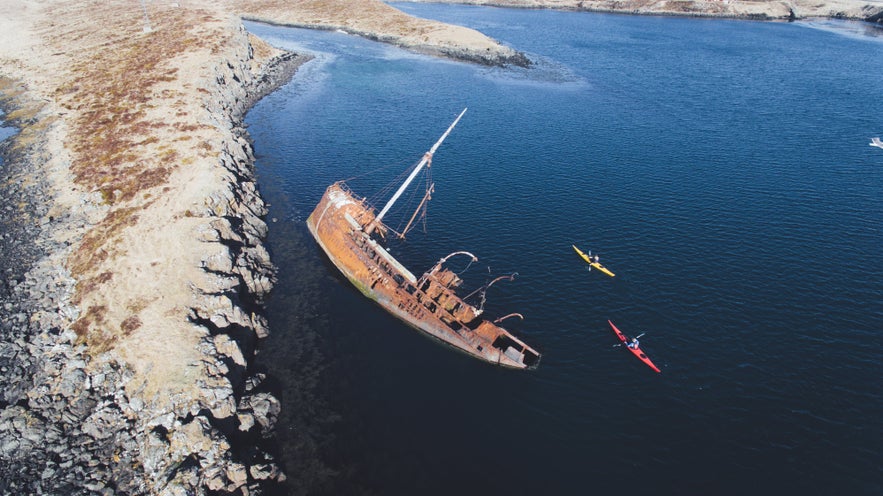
129 325
114 89
113 92
90 329
97 246
357 14
88 285
117 92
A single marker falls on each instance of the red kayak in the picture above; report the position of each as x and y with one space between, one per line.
637 351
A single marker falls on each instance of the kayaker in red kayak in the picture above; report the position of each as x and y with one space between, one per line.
634 346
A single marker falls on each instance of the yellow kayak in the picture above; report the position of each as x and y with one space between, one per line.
593 263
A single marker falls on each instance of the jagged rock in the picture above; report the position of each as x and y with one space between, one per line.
246 421
194 438
73 383
103 423
264 471
266 408
208 234
223 408
220 261
237 475
228 347
136 405
254 381
34 434
260 325
214 479
216 368
225 231
221 311
166 420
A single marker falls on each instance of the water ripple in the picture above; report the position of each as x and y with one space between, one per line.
720 169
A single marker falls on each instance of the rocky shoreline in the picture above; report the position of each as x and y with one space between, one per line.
71 421
762 10
377 21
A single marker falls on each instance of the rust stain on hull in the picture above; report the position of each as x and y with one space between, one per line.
342 224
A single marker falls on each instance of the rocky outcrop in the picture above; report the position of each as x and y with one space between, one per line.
77 421
375 20
874 15
497 56
739 9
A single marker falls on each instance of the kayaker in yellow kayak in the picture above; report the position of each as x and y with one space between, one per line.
592 260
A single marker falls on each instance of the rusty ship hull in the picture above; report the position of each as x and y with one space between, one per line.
342 224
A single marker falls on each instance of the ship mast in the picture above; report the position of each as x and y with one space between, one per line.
426 160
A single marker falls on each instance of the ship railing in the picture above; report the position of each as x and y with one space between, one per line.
346 189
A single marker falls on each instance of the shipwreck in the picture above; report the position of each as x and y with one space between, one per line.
351 234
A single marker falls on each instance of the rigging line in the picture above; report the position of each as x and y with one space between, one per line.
420 210
385 190
374 171
391 185
423 218
467 268
397 234
408 204
407 227
430 188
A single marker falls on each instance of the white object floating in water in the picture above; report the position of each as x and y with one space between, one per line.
876 142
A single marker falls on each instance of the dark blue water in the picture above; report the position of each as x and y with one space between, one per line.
720 168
